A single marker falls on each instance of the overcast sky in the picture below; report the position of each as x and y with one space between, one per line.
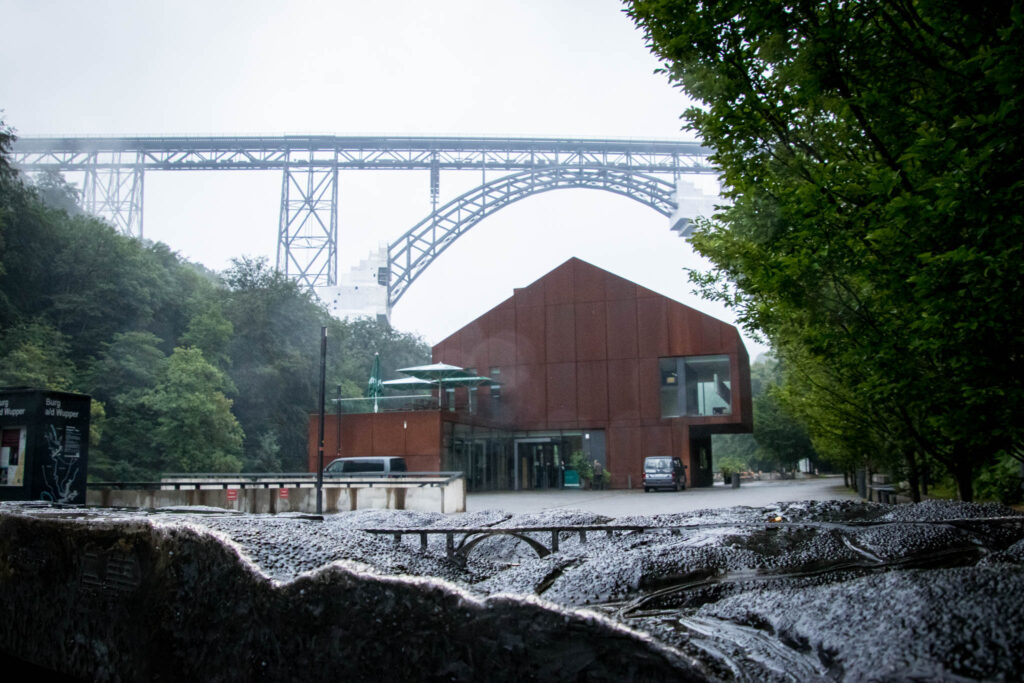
547 68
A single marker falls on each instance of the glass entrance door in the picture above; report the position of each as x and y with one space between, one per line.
540 463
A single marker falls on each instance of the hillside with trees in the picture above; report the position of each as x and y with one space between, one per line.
190 370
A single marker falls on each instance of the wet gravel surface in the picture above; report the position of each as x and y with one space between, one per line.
833 590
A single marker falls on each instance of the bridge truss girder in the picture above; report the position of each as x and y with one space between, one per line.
359 152
413 252
307 240
308 224
114 192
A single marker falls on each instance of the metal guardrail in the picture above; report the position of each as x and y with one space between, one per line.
275 481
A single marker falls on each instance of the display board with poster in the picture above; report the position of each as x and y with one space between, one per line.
44 442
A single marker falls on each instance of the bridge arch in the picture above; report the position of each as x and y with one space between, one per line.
413 252
468 544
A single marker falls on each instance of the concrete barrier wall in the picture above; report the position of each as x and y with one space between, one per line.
449 498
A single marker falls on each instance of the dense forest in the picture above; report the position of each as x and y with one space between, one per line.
189 370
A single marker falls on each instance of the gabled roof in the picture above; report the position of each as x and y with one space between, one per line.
576 282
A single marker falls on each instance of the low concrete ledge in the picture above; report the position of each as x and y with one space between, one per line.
444 493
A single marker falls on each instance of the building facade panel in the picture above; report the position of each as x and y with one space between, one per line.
529 396
560 333
589 284
500 333
388 434
450 349
684 336
658 441
558 285
498 403
416 436
621 329
530 336
592 392
711 335
623 389
618 288
649 383
625 455
652 328
561 393
591 331
356 437
530 295
473 346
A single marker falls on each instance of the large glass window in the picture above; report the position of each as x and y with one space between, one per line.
695 386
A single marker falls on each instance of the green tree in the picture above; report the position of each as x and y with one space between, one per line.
34 354
778 433
56 192
780 439
872 155
8 179
127 366
274 355
356 341
210 331
194 429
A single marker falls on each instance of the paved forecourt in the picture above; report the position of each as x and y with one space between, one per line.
620 502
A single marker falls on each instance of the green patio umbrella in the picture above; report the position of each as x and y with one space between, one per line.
373 388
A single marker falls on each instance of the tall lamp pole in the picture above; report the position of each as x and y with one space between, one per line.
337 419
320 434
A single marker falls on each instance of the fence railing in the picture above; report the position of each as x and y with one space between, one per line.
386 404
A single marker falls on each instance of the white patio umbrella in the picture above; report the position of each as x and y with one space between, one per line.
409 383
437 373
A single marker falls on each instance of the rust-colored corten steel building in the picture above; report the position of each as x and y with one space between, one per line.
587 361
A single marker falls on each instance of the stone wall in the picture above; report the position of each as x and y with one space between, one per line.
129 600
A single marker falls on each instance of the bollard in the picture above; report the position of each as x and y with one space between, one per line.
735 480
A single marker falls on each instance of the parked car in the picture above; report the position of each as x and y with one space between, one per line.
662 471
367 465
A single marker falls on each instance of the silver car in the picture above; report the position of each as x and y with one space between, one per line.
664 472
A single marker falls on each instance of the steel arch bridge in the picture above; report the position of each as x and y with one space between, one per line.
410 254
113 173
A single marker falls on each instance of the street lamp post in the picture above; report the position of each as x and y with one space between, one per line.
320 434
337 418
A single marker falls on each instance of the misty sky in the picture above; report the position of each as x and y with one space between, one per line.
548 68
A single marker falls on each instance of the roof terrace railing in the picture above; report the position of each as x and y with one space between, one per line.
386 404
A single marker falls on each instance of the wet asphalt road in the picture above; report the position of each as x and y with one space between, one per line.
619 503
